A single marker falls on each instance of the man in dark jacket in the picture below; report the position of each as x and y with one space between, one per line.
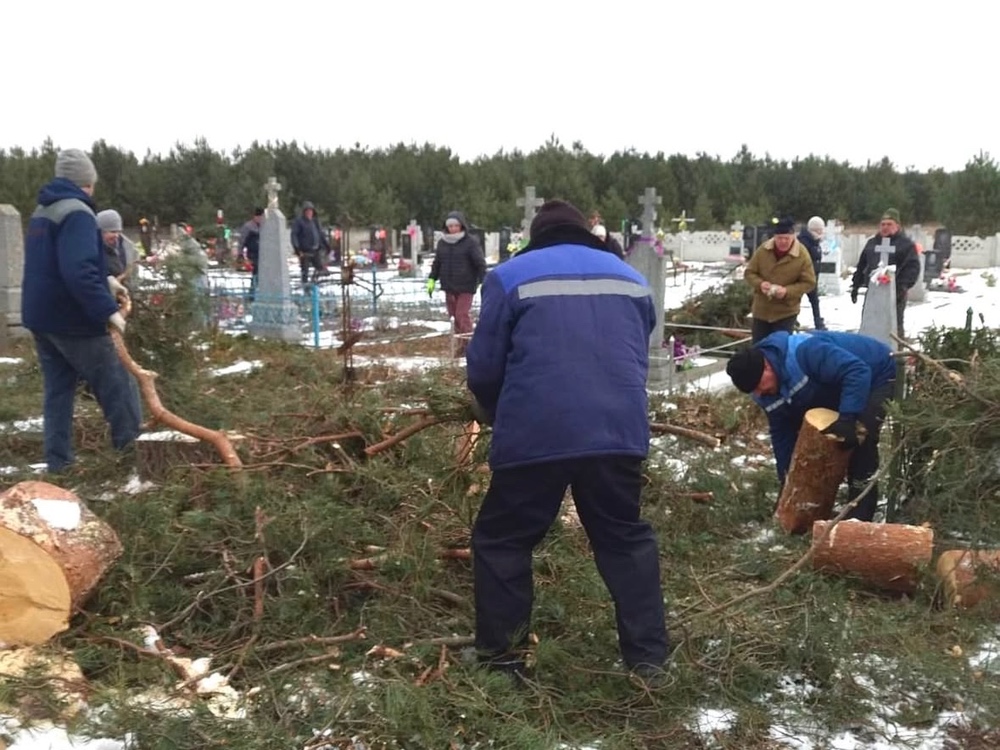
309 240
67 302
788 374
250 246
811 238
903 256
558 365
459 266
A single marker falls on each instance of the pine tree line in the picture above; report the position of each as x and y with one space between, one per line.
362 187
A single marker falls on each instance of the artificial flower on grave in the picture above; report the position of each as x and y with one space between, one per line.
658 245
882 278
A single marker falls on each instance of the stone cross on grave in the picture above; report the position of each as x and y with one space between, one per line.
682 221
530 204
649 200
271 188
884 250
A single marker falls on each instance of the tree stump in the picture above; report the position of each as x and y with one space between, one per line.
966 576
53 552
818 467
884 555
159 453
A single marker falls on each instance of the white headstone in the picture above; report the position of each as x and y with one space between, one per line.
830 281
273 314
642 256
11 269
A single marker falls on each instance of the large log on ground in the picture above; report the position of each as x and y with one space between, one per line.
886 556
969 576
53 552
818 467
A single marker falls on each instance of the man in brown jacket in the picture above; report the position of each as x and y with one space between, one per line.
779 273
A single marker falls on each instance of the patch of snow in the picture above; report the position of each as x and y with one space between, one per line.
10 360
59 514
135 486
239 368
35 469
411 364
46 736
31 424
167 436
709 723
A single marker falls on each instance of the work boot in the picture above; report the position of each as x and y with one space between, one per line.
649 676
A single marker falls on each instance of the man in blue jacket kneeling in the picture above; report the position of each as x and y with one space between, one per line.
558 365
788 374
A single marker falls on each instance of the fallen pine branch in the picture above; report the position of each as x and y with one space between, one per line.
685 432
699 497
406 432
147 386
373 562
315 640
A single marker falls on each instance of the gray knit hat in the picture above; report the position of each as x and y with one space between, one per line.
76 166
109 220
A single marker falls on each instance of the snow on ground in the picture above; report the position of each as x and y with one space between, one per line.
239 368
10 360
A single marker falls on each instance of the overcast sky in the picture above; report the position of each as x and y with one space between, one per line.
853 80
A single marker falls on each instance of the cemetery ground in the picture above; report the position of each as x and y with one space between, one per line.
350 630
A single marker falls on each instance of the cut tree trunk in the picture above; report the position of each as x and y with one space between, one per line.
817 468
886 556
53 552
969 576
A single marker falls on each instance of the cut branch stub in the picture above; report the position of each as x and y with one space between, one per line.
969 576
53 552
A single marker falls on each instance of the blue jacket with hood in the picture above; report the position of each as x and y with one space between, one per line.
65 288
827 369
560 356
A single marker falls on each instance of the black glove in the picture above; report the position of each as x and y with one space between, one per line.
854 295
479 413
845 430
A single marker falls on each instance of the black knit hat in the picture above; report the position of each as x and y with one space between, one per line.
745 369
784 226
557 213
558 222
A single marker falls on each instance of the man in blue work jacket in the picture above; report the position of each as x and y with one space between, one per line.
558 364
788 374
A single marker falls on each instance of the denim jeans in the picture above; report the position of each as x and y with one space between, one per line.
65 360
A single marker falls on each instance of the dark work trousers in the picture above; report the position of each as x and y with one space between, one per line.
814 301
518 510
760 329
864 460
900 311
310 259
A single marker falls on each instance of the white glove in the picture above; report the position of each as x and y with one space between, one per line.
116 288
118 322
